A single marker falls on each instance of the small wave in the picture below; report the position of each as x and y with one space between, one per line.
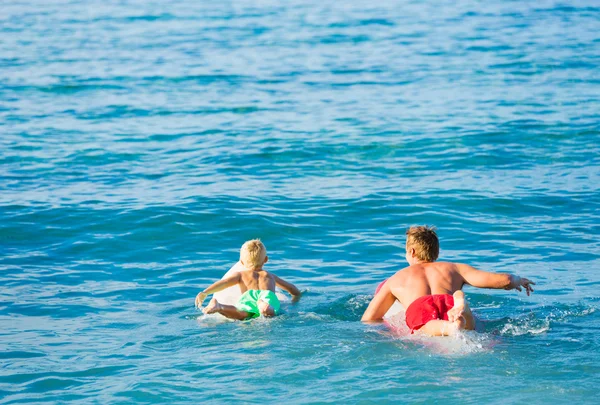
348 308
540 321
522 327
312 316
20 355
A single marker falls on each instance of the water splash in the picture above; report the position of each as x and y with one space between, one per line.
540 320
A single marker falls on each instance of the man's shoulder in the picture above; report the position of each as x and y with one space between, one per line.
400 274
450 267
424 267
444 265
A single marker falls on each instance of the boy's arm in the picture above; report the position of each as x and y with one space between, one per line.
484 279
216 287
380 304
289 287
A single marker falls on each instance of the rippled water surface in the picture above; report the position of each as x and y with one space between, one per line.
141 143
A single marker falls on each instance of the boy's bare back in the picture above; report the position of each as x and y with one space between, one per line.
256 280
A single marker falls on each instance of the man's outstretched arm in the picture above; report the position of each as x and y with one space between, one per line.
380 304
484 279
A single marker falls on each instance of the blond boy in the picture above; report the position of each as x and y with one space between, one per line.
431 291
257 285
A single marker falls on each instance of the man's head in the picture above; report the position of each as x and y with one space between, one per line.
253 254
422 245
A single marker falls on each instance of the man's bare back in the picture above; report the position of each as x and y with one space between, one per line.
425 279
440 278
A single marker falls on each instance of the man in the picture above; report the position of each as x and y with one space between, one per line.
431 291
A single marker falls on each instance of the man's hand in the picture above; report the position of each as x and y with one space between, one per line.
200 299
518 283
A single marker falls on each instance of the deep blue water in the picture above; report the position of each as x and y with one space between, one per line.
142 142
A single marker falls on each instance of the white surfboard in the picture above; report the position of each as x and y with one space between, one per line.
466 342
231 295
395 309
395 317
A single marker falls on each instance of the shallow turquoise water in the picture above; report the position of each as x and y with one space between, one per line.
141 143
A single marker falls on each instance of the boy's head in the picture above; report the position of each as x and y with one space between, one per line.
422 244
253 254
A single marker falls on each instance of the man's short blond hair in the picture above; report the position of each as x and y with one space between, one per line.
425 242
253 253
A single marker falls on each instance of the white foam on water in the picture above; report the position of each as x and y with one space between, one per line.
531 325
466 342
535 327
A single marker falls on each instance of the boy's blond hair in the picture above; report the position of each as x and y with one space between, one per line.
253 253
425 242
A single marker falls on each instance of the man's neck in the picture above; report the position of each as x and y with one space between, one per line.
418 261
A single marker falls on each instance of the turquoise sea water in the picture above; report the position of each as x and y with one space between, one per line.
142 142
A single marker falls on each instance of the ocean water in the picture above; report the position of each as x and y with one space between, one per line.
142 142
